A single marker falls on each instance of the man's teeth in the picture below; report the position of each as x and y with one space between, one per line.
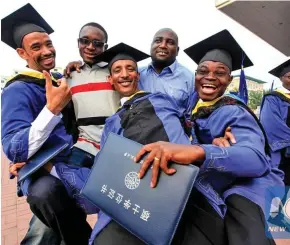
163 53
208 86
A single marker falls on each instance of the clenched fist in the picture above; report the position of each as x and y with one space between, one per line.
57 97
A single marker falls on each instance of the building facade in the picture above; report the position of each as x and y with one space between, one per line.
253 84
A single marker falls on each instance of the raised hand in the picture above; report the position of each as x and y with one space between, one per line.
56 97
72 66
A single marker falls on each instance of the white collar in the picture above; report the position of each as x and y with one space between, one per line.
94 66
123 100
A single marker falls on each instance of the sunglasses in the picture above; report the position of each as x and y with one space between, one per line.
87 42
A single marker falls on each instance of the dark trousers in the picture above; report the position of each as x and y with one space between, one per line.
285 167
39 233
200 225
81 158
50 202
245 222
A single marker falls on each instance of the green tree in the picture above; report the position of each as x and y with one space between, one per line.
255 99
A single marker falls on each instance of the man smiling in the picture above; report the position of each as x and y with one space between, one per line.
90 87
31 116
165 74
143 117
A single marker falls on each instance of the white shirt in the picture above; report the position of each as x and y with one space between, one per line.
123 100
40 130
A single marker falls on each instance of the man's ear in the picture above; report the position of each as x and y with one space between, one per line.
230 80
177 50
138 76
105 47
110 80
22 53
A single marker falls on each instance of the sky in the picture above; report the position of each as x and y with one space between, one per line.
135 22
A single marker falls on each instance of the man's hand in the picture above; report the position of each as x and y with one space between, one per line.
226 140
161 153
72 66
56 97
48 166
14 168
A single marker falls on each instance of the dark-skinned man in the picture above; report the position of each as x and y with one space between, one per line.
90 87
31 116
275 117
156 112
164 74
229 191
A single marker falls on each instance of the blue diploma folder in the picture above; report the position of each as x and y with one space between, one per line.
151 214
48 151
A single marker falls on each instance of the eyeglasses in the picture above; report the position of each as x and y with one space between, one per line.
87 42
216 74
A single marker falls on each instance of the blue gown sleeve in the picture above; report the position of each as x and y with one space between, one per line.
246 158
112 125
167 111
104 136
277 131
16 119
192 99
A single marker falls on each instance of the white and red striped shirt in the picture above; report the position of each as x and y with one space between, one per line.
94 100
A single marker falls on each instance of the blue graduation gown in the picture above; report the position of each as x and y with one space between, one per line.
22 101
243 168
275 118
161 124
145 118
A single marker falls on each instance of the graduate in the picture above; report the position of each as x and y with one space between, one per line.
142 117
275 118
232 180
31 116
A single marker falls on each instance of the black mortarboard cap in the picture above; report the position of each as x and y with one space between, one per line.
221 47
20 23
121 51
281 70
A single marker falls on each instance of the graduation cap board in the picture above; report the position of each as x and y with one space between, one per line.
122 51
281 70
220 47
21 22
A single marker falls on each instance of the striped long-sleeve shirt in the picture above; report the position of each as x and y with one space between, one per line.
94 100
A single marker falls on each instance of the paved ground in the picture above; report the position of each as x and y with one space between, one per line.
16 213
